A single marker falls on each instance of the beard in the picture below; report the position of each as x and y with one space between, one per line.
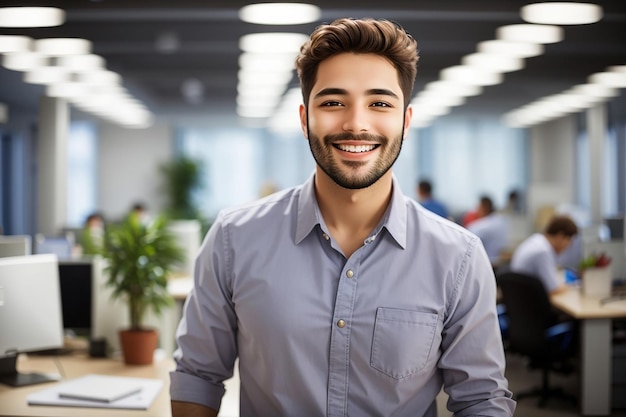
345 173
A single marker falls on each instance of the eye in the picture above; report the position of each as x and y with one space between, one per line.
330 104
381 104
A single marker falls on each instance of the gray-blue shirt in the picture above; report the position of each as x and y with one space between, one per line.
317 334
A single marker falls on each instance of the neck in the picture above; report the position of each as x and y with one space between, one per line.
351 215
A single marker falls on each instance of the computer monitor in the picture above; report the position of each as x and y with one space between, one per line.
77 283
30 313
15 245
61 246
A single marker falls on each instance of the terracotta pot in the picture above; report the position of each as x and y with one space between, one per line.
138 346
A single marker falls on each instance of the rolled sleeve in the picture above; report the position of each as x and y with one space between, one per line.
190 388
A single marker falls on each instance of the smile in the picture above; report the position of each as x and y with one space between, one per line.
356 148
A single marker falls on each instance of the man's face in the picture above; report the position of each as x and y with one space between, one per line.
356 120
562 242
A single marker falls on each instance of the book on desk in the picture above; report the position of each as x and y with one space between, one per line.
100 391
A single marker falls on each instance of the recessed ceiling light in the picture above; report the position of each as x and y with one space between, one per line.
272 42
46 75
470 75
14 43
62 46
530 33
80 63
24 61
494 62
280 13
561 13
518 49
31 17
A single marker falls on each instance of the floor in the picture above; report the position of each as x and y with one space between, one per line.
522 379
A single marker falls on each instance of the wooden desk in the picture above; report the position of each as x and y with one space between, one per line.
595 347
13 400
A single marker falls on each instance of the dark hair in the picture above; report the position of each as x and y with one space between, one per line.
362 36
425 187
487 204
562 225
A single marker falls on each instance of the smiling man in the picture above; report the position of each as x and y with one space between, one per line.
343 296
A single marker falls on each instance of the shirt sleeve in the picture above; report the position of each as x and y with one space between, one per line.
472 358
206 335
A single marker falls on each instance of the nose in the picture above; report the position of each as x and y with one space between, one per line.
356 120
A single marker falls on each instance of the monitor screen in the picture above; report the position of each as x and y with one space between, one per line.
30 312
15 245
60 246
76 281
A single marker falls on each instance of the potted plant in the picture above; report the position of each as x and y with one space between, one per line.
139 258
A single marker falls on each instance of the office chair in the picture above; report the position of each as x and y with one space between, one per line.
534 332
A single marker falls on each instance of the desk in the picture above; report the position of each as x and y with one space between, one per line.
596 347
13 400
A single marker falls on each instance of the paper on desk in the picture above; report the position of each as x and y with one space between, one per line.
140 401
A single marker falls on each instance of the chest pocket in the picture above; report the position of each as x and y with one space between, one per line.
403 341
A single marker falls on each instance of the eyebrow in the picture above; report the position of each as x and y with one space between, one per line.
343 92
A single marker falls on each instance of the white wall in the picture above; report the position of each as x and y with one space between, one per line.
128 171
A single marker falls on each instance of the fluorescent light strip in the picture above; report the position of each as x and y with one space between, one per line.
31 17
280 13
561 13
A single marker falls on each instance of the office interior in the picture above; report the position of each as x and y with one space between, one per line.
59 161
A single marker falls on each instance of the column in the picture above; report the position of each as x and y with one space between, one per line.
52 165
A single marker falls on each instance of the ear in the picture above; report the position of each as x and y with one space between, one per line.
303 121
408 116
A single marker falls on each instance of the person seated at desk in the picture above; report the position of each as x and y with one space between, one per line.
492 228
537 254
426 199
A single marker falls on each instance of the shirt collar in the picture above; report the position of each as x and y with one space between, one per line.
394 220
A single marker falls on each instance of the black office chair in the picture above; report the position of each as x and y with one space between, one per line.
535 332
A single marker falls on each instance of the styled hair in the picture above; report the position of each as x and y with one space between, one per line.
361 36
561 225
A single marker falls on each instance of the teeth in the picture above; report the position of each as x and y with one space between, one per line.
355 148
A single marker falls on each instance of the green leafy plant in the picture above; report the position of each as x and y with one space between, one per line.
139 258
182 177
600 260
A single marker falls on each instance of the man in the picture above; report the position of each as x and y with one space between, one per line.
426 199
492 228
343 296
537 255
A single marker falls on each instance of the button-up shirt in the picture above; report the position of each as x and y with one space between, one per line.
535 256
316 334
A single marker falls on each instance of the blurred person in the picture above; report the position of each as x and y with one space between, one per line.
92 236
537 254
426 199
492 228
343 296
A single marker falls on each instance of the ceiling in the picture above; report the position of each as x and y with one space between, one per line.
125 33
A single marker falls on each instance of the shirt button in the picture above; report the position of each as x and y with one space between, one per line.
325 236
341 324
349 273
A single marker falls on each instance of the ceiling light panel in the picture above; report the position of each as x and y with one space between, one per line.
25 17
518 49
62 46
14 43
272 42
493 62
561 13
530 33
280 13
465 74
